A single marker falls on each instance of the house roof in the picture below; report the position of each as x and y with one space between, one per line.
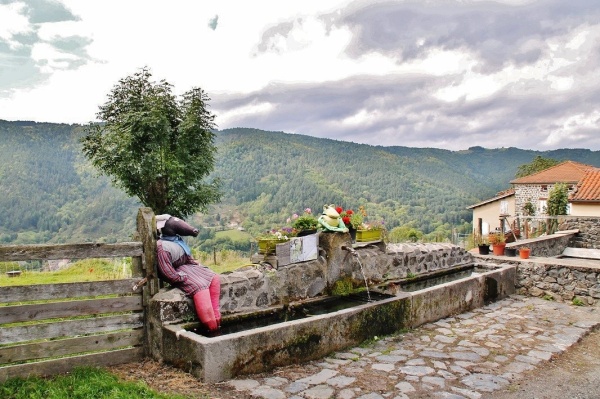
500 195
588 189
565 172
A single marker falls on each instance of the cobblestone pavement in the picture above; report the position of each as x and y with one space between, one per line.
465 356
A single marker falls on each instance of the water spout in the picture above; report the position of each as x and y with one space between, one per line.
351 250
355 254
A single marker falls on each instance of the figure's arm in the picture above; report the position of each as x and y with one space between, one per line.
165 265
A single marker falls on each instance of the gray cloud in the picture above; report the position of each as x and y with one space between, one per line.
495 32
403 109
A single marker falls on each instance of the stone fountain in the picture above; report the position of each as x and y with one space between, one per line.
340 268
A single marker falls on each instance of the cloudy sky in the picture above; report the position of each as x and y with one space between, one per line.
426 73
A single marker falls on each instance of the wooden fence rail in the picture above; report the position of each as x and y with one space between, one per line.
52 328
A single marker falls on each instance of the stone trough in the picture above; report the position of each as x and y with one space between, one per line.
213 359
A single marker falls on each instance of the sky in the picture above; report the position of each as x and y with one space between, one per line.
448 74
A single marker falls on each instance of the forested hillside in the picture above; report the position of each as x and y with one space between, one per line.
52 194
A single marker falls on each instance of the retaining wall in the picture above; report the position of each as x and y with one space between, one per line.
589 231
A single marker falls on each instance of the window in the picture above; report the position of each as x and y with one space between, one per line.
543 206
544 187
504 207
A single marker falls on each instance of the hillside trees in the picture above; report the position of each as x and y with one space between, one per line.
156 147
538 164
558 201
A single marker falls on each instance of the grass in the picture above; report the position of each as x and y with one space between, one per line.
80 271
82 383
222 261
578 302
110 269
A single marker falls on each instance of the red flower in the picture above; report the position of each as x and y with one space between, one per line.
346 220
339 209
349 212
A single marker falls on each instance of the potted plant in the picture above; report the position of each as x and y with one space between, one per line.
482 244
352 220
371 231
498 242
305 224
524 252
268 240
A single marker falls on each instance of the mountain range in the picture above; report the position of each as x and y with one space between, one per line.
51 193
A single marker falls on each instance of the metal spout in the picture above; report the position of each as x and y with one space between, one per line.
351 250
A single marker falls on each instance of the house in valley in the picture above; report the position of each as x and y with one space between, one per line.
532 191
488 214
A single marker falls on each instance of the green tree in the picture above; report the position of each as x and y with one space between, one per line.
558 200
538 164
156 147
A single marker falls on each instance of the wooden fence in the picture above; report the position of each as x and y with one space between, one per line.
50 329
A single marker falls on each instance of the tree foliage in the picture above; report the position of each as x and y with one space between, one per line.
558 200
156 147
538 164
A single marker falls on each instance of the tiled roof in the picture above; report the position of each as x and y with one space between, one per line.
588 189
500 195
565 172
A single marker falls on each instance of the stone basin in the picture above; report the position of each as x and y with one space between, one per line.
213 359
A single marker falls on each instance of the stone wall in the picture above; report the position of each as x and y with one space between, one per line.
257 287
562 283
589 231
546 246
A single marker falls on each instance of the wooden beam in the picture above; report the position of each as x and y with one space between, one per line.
13 335
65 309
58 366
39 292
69 346
69 251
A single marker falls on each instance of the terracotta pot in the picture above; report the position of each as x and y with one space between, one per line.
524 253
498 249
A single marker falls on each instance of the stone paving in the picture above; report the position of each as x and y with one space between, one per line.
462 357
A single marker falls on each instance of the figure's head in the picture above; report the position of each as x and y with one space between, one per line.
168 225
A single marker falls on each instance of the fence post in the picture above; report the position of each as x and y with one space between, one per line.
146 228
146 231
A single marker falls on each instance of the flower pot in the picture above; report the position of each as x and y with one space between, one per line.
368 235
266 246
484 249
510 251
498 249
524 253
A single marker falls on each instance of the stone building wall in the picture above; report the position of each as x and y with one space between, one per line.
532 193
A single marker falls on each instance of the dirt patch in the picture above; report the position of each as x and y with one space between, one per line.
574 375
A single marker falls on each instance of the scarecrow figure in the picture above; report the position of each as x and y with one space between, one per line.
177 267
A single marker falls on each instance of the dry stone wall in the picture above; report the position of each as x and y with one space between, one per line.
559 282
589 231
